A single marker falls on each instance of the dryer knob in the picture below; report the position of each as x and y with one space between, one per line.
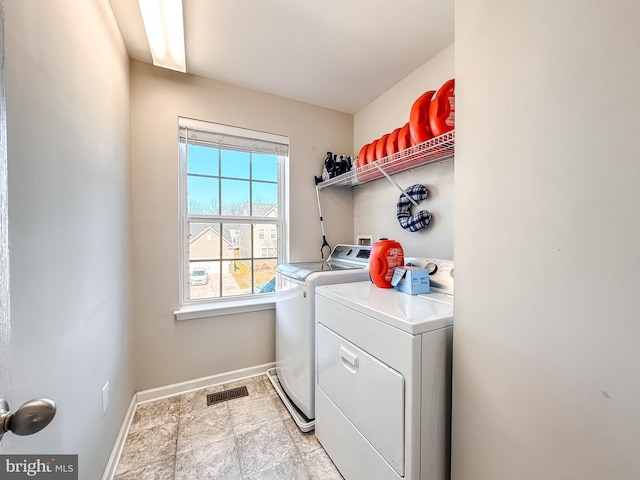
432 268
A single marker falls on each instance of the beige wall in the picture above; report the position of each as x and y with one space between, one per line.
168 351
67 84
375 202
546 357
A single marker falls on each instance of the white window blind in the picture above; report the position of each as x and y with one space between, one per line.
232 138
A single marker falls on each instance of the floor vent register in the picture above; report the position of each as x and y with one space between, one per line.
225 395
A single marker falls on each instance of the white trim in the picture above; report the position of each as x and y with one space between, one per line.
283 201
228 307
209 307
118 446
6 384
198 383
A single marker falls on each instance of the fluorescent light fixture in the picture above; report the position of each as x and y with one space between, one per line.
165 32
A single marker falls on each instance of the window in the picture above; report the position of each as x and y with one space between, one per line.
231 192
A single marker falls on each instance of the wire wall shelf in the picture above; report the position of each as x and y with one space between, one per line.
434 150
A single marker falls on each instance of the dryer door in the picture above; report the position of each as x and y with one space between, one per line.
368 392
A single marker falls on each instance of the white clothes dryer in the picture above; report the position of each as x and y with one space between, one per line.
383 383
293 376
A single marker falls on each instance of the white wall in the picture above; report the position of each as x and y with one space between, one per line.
546 241
168 351
375 202
69 238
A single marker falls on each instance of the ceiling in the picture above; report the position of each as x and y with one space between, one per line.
338 54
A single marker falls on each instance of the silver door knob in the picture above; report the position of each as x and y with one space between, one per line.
29 418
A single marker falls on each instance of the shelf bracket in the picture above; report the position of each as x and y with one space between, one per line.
402 190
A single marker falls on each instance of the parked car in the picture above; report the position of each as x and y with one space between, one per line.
199 276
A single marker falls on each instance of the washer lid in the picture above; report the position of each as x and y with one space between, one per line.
300 271
413 314
343 257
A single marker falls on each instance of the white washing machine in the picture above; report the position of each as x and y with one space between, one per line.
383 383
293 376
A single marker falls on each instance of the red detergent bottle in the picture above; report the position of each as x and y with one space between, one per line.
442 110
385 256
419 128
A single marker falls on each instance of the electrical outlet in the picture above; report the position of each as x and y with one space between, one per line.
364 240
105 398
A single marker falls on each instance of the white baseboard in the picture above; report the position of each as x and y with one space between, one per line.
169 391
112 464
190 385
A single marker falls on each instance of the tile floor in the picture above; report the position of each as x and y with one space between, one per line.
248 438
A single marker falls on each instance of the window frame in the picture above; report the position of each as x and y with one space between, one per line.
210 306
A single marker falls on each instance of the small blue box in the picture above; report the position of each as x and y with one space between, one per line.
412 280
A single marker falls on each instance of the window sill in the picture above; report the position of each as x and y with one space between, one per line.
204 310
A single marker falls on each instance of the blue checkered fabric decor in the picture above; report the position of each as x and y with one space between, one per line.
413 223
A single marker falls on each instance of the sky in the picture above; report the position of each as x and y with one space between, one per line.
236 169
